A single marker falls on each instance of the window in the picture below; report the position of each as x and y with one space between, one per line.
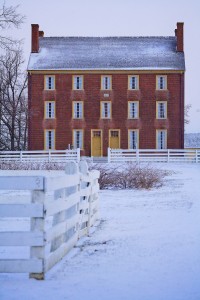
78 138
77 82
49 82
161 82
133 110
105 110
161 139
49 139
77 110
133 139
161 109
133 82
49 110
106 82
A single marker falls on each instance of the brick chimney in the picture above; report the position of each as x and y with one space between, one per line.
41 33
35 38
179 35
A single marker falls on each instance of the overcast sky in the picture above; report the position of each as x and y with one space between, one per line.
121 18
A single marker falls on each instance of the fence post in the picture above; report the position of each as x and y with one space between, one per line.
78 154
21 156
168 155
49 156
38 224
137 155
109 155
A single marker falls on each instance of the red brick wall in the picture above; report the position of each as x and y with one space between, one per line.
119 96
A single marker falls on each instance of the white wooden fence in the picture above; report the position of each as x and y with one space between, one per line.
154 155
62 209
41 156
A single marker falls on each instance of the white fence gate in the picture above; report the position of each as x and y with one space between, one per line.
154 155
41 156
61 210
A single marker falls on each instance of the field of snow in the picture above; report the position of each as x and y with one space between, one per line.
146 247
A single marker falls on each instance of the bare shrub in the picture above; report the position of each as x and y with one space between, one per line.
130 176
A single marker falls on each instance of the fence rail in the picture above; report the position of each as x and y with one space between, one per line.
41 156
61 209
154 155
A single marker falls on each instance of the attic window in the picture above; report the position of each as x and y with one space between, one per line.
77 82
49 82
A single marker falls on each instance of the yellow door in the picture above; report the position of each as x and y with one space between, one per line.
114 139
96 143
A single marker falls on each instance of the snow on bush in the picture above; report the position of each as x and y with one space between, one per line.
129 176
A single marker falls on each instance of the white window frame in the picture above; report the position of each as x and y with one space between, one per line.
78 82
106 82
133 134
161 139
161 82
106 112
78 138
49 109
133 109
78 109
161 110
133 82
50 139
49 82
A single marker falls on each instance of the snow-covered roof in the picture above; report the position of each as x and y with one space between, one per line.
107 53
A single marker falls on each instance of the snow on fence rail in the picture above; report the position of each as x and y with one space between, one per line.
154 155
41 156
61 210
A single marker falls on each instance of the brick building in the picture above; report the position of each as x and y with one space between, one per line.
98 92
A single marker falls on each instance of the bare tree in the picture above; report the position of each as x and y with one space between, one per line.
13 102
186 113
9 18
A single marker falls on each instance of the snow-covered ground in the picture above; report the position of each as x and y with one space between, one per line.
146 247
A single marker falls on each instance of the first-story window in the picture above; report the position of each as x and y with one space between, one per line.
77 109
78 138
161 139
133 82
105 109
49 139
49 109
78 82
106 83
133 109
161 83
49 82
161 109
133 139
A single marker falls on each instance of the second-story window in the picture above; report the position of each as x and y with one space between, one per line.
105 110
133 109
49 109
161 82
133 82
161 109
106 82
77 109
49 82
78 82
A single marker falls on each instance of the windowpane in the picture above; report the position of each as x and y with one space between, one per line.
50 140
105 110
162 110
161 139
78 139
50 110
78 83
133 110
133 139
106 83
50 82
